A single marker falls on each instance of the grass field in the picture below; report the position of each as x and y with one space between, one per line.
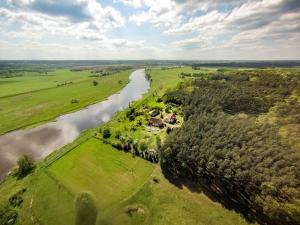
109 175
32 81
163 203
34 107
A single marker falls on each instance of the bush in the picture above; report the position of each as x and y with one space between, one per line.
131 117
16 199
8 216
117 145
143 146
106 133
135 208
25 165
95 83
86 211
73 101
169 130
118 134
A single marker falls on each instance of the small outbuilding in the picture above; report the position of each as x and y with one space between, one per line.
156 122
154 112
171 119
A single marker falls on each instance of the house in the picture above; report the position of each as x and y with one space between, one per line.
156 122
171 119
154 112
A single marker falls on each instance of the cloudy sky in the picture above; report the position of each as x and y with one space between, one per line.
150 29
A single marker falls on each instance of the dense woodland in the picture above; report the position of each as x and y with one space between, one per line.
225 146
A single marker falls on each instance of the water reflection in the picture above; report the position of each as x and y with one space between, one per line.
42 140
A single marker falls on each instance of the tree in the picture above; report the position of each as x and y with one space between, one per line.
143 146
95 83
106 133
158 142
86 211
25 165
118 134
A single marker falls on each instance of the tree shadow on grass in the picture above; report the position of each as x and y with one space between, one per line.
218 193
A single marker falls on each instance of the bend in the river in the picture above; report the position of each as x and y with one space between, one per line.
44 139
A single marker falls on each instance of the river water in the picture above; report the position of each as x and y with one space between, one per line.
40 141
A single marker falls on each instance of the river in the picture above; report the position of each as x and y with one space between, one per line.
40 141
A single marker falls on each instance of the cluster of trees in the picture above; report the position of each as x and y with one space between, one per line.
246 161
8 214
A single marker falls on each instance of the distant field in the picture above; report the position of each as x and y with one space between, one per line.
30 108
32 81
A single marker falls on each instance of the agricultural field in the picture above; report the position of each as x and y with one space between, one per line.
34 99
34 81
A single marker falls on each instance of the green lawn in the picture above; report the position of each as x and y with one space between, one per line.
31 108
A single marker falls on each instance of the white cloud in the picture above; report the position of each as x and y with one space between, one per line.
132 3
205 28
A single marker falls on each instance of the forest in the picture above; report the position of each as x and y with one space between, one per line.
227 146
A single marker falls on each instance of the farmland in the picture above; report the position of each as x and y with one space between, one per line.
33 99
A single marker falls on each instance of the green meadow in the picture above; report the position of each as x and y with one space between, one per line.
39 105
33 81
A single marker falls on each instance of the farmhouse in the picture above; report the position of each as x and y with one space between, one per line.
156 122
171 119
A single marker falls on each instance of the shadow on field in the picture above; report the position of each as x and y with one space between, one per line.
217 193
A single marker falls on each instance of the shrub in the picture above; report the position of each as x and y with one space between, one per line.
95 83
106 133
131 117
73 101
8 216
135 208
143 146
86 211
16 199
118 134
117 145
25 165
155 179
169 130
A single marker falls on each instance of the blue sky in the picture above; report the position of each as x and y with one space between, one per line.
150 29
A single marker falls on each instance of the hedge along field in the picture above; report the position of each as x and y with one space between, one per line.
44 105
